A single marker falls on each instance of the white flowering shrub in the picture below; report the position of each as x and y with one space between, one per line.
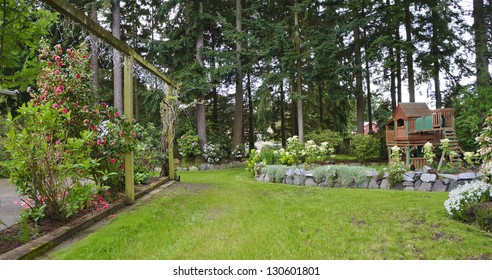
485 151
464 200
214 153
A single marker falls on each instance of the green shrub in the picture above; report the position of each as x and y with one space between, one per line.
188 145
332 138
364 147
275 173
484 216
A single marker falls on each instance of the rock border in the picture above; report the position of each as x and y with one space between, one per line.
424 181
37 247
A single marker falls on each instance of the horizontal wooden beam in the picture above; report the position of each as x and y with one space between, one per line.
67 9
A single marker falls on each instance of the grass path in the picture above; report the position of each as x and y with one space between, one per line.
227 215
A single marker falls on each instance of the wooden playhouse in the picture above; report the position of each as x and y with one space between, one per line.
413 125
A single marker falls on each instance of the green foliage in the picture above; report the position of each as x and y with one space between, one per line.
276 173
46 163
188 145
332 138
23 23
485 143
148 151
63 137
364 147
340 176
215 153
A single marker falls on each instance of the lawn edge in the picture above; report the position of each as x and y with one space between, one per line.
38 246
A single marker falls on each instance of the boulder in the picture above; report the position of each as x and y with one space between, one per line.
384 184
425 187
428 177
310 182
439 186
373 184
467 176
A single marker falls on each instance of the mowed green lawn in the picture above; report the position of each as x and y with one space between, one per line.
227 215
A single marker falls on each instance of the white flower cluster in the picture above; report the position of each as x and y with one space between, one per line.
465 195
213 153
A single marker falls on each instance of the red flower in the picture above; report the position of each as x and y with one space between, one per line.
55 106
121 134
77 76
112 161
86 121
134 135
69 50
75 104
57 72
60 64
103 105
57 142
123 167
116 114
85 108
64 110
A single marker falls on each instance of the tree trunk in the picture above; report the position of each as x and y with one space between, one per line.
237 133
94 53
200 106
320 107
359 95
435 55
409 52
392 80
251 136
282 114
117 65
480 40
297 42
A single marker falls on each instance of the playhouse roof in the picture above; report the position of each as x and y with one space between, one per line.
413 110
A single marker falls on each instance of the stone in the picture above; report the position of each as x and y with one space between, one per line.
308 174
397 187
479 174
363 185
290 172
425 187
449 176
373 184
426 169
407 184
409 189
439 186
289 180
204 166
298 180
384 184
266 178
410 174
322 184
446 181
193 168
453 185
417 184
467 176
407 178
371 173
428 177
310 182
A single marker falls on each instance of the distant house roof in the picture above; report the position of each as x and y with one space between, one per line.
412 110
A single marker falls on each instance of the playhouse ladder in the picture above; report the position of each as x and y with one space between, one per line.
450 134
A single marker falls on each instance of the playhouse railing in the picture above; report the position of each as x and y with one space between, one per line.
443 118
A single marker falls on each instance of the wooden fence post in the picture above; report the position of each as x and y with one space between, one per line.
128 109
170 139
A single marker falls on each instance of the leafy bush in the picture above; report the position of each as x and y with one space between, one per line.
397 167
254 158
276 173
464 201
188 145
148 151
343 176
332 138
364 147
484 216
64 136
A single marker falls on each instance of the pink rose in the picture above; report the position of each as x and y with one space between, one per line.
134 135
57 72
55 106
64 110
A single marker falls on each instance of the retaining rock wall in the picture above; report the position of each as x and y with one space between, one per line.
412 181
